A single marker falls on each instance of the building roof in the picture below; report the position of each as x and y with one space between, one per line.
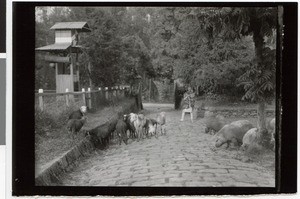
60 47
80 26
55 47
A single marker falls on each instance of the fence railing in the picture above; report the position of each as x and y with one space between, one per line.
46 91
107 94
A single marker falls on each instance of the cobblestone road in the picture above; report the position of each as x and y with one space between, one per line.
183 157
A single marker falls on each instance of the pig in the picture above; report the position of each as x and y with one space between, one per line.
271 126
233 132
251 139
214 123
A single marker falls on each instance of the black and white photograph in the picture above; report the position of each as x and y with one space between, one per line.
155 96
131 99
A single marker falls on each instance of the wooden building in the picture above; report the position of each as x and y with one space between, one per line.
63 54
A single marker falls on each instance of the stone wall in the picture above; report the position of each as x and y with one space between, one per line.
51 175
232 112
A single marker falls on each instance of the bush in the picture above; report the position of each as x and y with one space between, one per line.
43 122
49 121
218 98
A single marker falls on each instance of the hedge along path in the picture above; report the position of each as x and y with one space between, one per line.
50 173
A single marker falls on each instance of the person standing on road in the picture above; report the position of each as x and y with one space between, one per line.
189 102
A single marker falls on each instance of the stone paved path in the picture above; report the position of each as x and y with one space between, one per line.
183 157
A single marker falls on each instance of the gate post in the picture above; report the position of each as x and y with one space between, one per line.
67 96
106 93
83 96
41 103
117 91
89 98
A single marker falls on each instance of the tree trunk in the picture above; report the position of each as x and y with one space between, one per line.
261 115
259 44
140 97
265 136
177 95
149 89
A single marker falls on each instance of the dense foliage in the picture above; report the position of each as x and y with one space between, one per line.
220 50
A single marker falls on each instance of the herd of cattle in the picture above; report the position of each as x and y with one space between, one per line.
241 132
137 125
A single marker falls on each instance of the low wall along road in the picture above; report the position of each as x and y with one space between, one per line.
242 113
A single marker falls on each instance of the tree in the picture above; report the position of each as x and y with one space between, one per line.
118 46
259 22
205 46
186 46
232 24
